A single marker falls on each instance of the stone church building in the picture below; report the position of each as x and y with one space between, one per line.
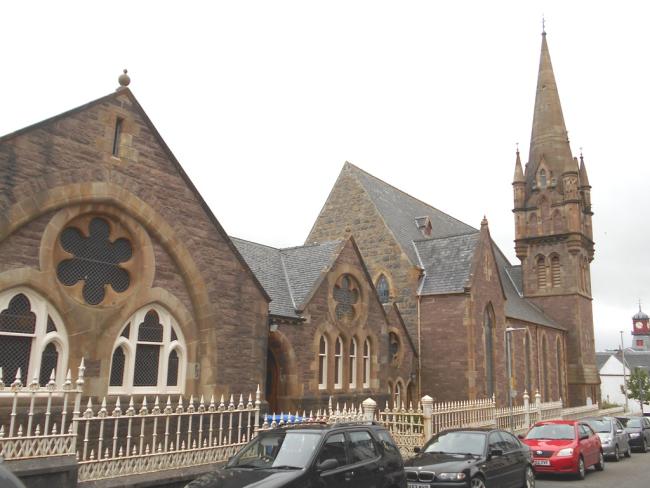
109 253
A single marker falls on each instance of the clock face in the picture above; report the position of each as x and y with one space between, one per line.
638 325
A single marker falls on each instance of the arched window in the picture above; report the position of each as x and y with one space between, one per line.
528 369
488 332
353 363
399 389
541 272
383 289
338 363
556 277
32 339
149 355
393 347
366 363
322 363
547 385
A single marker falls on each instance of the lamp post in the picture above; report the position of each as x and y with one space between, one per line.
624 376
506 336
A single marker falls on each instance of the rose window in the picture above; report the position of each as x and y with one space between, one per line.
346 295
96 260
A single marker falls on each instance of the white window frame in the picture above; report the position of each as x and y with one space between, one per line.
353 364
41 338
322 363
366 363
130 347
338 363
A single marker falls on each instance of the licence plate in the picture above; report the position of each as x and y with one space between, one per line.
417 485
541 462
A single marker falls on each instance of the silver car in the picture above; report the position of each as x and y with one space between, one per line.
613 437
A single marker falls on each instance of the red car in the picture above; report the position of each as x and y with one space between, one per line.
564 446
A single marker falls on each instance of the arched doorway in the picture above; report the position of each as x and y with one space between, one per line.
272 382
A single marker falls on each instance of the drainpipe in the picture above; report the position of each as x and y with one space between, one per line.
419 350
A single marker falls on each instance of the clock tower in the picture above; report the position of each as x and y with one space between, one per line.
641 331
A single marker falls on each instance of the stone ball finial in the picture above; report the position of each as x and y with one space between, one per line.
124 80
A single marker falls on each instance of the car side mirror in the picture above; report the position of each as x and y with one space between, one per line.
496 453
327 465
417 449
619 431
583 437
521 436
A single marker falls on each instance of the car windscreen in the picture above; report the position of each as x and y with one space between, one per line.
634 423
278 450
552 431
602 426
457 442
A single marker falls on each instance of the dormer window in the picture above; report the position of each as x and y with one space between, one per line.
424 225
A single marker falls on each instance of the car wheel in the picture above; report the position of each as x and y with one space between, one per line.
644 446
529 478
628 453
617 454
600 465
582 470
477 482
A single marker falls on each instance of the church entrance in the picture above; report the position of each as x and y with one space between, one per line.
272 381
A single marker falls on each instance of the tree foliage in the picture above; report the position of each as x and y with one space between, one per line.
638 386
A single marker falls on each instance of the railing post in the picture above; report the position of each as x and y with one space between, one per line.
258 403
538 406
369 407
427 416
527 408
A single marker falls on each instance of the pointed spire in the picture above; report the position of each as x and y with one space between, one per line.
549 138
584 179
519 172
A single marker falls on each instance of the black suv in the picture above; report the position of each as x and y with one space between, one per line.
355 455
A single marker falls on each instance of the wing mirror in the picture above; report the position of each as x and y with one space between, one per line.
496 453
619 431
327 464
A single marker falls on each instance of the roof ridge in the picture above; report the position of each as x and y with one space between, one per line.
405 193
311 244
287 280
253 242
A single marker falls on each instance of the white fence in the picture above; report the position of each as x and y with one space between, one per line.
112 441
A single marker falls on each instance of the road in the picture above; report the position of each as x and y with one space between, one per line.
627 473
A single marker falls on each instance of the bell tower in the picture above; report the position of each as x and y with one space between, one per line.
553 234
641 331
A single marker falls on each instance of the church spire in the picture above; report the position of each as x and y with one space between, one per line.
549 138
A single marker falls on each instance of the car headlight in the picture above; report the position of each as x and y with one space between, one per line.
606 440
451 476
634 434
565 452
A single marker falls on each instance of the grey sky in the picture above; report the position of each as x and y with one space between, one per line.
263 101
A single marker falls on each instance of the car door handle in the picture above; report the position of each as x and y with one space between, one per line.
349 475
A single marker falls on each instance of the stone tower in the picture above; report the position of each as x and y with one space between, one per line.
553 234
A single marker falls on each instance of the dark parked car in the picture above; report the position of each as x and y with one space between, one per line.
564 446
613 437
475 458
639 430
354 455
7 479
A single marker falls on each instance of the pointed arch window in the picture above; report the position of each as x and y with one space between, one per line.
33 339
322 363
541 272
338 363
397 396
149 354
383 289
544 368
353 363
556 270
488 332
366 363
542 178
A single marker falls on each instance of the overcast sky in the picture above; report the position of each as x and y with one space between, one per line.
263 101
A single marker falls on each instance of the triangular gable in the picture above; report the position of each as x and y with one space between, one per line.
127 92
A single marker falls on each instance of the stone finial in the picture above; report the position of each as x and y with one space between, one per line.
484 222
124 80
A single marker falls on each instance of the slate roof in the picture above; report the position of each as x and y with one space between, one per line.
447 263
288 275
637 359
602 358
399 210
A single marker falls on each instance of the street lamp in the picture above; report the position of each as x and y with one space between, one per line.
506 337
624 377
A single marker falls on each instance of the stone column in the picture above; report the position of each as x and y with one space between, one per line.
527 407
369 407
427 410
